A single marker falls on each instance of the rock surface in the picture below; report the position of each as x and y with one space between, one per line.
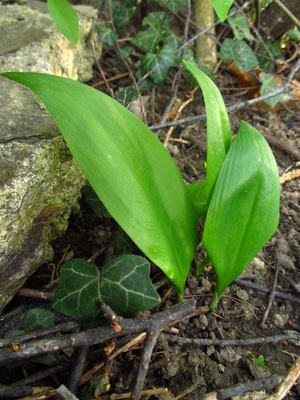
39 180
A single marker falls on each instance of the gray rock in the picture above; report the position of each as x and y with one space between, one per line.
30 41
39 180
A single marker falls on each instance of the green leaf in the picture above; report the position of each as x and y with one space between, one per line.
244 209
172 40
78 291
239 52
126 285
268 85
38 318
65 19
95 203
108 36
197 191
173 5
127 166
149 40
221 8
159 63
126 51
122 13
127 96
218 127
294 34
240 27
260 362
263 56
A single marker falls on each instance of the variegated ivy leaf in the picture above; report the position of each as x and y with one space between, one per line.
108 36
269 84
127 96
173 5
159 63
126 286
38 318
240 27
239 52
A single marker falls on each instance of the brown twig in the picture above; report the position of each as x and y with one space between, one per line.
283 89
121 396
65 393
242 388
288 12
78 360
251 285
271 297
113 78
287 382
35 294
64 327
231 342
283 145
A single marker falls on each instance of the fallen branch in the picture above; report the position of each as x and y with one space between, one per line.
231 342
271 297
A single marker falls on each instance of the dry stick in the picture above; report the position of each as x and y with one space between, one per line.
242 388
64 327
179 73
100 69
121 396
231 342
288 12
289 297
144 362
239 106
161 320
271 297
113 78
126 63
211 26
288 381
35 294
65 393
283 145
78 358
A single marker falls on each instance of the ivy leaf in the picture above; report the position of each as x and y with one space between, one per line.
127 96
159 63
239 52
244 209
173 5
38 318
221 8
108 36
268 85
172 40
65 19
150 39
240 27
263 56
126 286
78 291
122 13
126 51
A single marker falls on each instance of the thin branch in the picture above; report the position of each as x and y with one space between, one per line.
271 297
285 296
78 358
161 320
35 294
149 392
283 89
288 381
212 26
231 342
288 12
243 388
65 393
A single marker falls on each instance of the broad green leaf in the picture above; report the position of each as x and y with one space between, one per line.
38 318
218 127
108 36
126 285
197 192
158 20
78 291
127 96
240 27
239 52
244 209
65 19
268 85
265 61
172 40
95 203
126 51
221 8
159 63
127 166
173 5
